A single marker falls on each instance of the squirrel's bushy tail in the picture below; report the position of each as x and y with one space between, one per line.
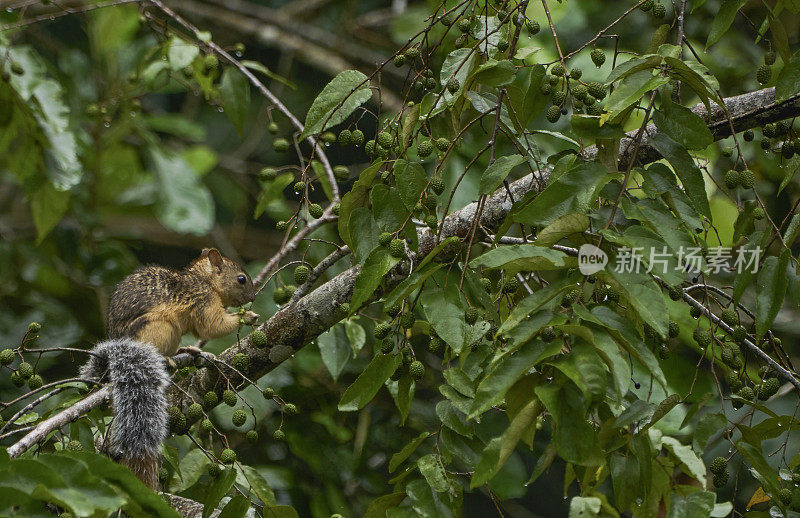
139 380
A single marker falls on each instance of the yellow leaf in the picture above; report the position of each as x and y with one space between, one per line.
758 497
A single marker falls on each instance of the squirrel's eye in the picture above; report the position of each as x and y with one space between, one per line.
241 279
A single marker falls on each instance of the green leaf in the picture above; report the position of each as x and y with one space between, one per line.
369 382
645 297
378 507
588 126
185 205
48 206
458 64
788 82
401 456
431 467
272 192
492 389
694 505
564 226
708 426
690 175
236 507
723 20
630 92
584 367
584 507
258 484
495 73
663 409
683 126
497 172
573 191
388 208
334 348
235 91
378 264
258 67
453 419
340 98
688 458
217 490
534 302
411 283
525 257
411 181
755 456
771 286
574 439
281 511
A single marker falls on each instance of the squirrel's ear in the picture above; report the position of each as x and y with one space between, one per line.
214 257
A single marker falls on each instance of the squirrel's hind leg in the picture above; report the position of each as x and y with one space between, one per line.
164 336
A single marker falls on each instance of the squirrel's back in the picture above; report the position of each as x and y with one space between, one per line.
146 290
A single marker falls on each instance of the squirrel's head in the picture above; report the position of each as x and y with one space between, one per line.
228 279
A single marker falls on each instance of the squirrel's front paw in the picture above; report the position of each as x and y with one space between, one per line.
250 317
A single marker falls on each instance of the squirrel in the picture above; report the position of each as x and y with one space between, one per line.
148 313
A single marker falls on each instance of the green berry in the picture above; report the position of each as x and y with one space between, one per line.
74 446
272 127
718 465
748 135
674 329
436 344
437 185
282 226
384 238
675 293
425 148
511 286
487 284
747 179
357 137
559 98
416 370
335 209
453 85
721 479
6 357
267 174
769 58
764 74
268 393
16 379
194 412
442 144
399 60
301 274
329 137
34 327
25 370
206 425
596 90
663 352
385 139
464 25
229 398
557 70
407 320
552 114
759 214
575 73
695 312
431 221
532 26
213 469
546 89
647 5
279 295
345 137
769 388
732 179
239 417
733 381
785 495
659 10
471 315
178 426
728 315
278 435
702 336
258 339
594 109
598 57
299 187
548 334
251 436
397 248
315 210
502 15
290 409
240 362
228 456
280 144
746 393
387 346
382 330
